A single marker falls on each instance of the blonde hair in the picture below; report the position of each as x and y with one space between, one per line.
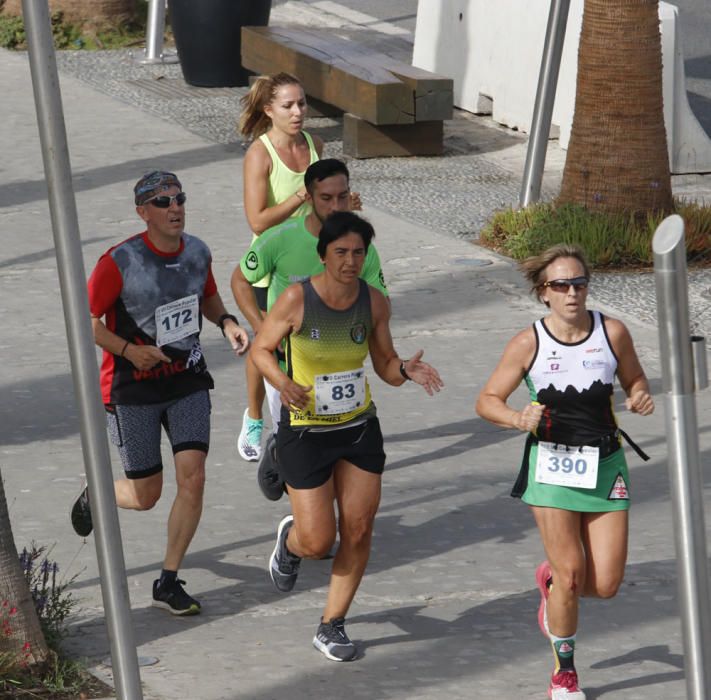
253 122
533 268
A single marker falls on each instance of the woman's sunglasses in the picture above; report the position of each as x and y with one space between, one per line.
163 201
564 285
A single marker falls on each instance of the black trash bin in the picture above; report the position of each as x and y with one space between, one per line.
208 38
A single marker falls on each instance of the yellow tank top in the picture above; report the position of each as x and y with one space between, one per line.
327 353
283 182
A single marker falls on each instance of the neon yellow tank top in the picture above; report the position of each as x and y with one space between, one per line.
283 182
327 353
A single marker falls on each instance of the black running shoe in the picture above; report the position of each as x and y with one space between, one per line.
283 565
333 642
173 598
268 478
81 514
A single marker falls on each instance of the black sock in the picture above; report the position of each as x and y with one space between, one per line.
167 577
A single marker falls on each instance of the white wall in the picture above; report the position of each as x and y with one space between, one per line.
492 50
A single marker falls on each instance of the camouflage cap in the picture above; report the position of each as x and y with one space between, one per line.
153 183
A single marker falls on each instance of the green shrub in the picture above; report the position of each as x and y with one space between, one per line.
124 32
12 32
608 240
63 677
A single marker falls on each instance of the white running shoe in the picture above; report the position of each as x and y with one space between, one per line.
249 443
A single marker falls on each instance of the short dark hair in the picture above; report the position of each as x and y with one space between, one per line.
321 169
340 224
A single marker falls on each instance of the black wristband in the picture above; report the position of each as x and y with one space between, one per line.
221 321
404 374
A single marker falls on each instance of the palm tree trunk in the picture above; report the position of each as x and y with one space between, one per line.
19 625
617 157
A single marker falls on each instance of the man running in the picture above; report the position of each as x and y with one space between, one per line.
152 291
288 253
329 442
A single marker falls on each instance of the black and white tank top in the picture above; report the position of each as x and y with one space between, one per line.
575 383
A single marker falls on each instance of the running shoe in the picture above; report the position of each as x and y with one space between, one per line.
283 565
333 642
564 686
81 514
249 443
173 598
268 478
543 576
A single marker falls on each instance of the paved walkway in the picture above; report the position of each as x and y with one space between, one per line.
448 605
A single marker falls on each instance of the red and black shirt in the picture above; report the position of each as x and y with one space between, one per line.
135 286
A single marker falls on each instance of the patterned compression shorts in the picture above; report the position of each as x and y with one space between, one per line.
135 430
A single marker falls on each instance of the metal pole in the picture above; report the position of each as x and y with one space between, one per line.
545 98
701 369
684 460
65 226
155 27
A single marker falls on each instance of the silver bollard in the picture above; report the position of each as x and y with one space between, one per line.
85 374
543 107
155 27
698 356
685 475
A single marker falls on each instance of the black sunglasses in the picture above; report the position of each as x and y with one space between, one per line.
564 285
163 201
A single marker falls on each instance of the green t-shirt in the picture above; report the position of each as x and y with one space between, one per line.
288 252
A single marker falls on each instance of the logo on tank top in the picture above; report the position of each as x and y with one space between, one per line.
554 364
251 261
358 333
594 364
619 491
195 355
315 334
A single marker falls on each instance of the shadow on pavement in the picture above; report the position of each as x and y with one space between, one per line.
16 193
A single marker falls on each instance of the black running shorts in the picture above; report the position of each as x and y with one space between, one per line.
307 458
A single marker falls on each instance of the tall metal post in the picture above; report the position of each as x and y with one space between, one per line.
65 226
155 27
684 460
545 98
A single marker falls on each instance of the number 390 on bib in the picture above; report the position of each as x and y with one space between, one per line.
561 465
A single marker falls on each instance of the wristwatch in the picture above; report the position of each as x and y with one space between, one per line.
221 321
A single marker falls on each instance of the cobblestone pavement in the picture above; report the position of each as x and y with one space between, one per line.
448 605
479 172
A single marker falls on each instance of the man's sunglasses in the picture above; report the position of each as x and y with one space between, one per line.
163 201
564 285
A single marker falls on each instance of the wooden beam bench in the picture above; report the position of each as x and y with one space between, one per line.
392 107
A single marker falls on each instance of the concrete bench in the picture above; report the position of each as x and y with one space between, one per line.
391 108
